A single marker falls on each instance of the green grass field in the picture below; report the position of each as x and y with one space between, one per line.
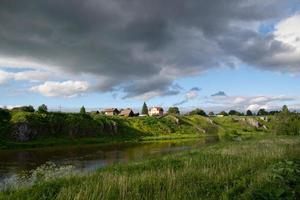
263 167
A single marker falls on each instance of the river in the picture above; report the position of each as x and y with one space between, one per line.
89 157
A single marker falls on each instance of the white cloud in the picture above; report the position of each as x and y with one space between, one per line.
256 107
253 103
5 76
28 75
61 89
192 94
288 32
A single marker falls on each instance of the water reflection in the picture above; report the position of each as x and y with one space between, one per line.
86 158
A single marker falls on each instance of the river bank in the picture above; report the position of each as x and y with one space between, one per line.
257 168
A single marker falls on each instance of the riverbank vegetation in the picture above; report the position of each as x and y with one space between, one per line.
262 167
27 129
24 128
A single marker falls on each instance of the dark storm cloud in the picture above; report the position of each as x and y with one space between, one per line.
137 45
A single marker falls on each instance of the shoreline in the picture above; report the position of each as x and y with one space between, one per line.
101 141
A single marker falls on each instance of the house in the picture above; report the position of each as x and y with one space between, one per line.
127 113
156 111
111 111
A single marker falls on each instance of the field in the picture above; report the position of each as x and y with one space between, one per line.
261 167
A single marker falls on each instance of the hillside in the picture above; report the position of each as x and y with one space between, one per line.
24 127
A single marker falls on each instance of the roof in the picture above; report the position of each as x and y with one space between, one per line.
110 110
126 112
158 108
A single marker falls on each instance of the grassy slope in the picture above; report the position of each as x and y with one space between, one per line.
259 168
130 129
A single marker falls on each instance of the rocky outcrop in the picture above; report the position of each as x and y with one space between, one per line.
23 132
111 128
253 122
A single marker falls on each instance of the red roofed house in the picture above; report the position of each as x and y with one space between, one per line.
111 111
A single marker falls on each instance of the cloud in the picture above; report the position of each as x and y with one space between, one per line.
193 93
131 44
27 75
61 89
253 103
220 93
4 77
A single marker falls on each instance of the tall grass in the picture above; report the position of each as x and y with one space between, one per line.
265 168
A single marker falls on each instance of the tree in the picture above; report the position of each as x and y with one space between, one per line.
42 108
262 112
173 110
223 113
4 120
211 113
234 112
82 110
198 111
23 109
273 112
249 113
145 109
285 109
4 116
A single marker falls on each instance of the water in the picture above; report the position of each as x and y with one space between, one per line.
88 157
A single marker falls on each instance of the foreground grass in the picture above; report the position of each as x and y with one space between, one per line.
261 168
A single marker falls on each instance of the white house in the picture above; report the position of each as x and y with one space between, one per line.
156 111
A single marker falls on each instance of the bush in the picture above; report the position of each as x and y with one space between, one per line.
286 123
5 116
198 112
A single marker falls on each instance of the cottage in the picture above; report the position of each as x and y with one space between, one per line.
127 113
156 111
111 111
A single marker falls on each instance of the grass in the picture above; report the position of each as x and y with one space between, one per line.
265 167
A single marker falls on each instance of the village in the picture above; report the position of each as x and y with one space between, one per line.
128 112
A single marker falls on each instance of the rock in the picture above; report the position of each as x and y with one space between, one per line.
253 122
22 132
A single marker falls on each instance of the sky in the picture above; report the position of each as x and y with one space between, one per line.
210 54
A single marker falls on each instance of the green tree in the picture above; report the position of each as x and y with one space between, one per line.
4 120
198 111
234 112
145 109
43 108
224 113
4 115
23 109
82 110
211 113
249 113
285 109
173 110
262 112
